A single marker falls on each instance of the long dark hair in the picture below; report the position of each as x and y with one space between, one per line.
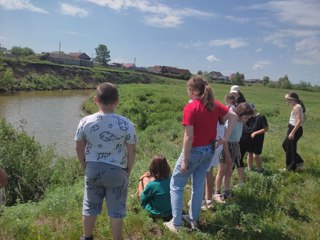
197 83
159 167
294 96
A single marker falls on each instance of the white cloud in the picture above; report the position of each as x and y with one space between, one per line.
212 58
72 10
308 50
281 37
302 13
237 19
231 42
191 45
164 22
158 14
258 50
21 5
260 65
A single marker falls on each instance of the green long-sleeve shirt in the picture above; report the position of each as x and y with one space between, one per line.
155 198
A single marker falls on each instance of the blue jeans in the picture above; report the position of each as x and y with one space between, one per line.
199 161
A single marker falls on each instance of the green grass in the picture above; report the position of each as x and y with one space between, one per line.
275 205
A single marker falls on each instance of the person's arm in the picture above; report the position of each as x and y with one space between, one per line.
143 181
187 144
131 156
261 131
232 118
146 195
80 148
297 114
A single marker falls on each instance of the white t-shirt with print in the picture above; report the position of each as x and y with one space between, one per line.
106 136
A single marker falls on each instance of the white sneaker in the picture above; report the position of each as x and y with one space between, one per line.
172 227
218 198
210 204
193 224
204 205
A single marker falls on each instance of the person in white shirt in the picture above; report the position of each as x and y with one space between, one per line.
295 132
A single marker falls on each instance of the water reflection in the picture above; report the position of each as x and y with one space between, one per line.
50 116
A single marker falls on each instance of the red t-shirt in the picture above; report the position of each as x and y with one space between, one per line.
204 122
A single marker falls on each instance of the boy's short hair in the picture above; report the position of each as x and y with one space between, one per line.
107 93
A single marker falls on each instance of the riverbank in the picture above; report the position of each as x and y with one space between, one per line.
17 75
272 205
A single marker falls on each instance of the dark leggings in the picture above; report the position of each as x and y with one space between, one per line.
290 147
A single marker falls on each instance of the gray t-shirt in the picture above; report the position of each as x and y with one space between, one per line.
106 136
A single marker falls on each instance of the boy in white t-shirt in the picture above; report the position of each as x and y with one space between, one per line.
106 151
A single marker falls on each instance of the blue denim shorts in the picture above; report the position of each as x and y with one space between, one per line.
105 181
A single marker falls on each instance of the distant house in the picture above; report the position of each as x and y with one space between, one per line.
80 59
169 70
217 76
115 65
129 66
233 76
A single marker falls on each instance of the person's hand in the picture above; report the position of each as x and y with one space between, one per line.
145 175
220 141
3 178
291 136
184 166
253 135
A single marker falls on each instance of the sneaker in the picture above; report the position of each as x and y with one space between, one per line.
261 170
227 194
210 204
86 238
218 198
173 228
204 205
193 224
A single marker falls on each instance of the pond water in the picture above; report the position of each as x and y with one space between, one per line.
50 116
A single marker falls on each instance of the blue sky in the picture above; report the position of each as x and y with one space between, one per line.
255 37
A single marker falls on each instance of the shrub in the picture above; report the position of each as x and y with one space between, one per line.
28 165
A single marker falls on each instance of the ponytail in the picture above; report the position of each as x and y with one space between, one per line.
302 105
207 98
205 93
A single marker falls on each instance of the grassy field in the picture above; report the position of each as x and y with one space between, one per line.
273 205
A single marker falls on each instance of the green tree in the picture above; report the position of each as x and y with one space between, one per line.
237 79
102 54
284 82
21 52
265 80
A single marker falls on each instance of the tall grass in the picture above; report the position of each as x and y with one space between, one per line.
273 205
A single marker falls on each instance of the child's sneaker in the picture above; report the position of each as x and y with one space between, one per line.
218 198
193 224
86 238
209 204
204 205
259 170
172 227
227 194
